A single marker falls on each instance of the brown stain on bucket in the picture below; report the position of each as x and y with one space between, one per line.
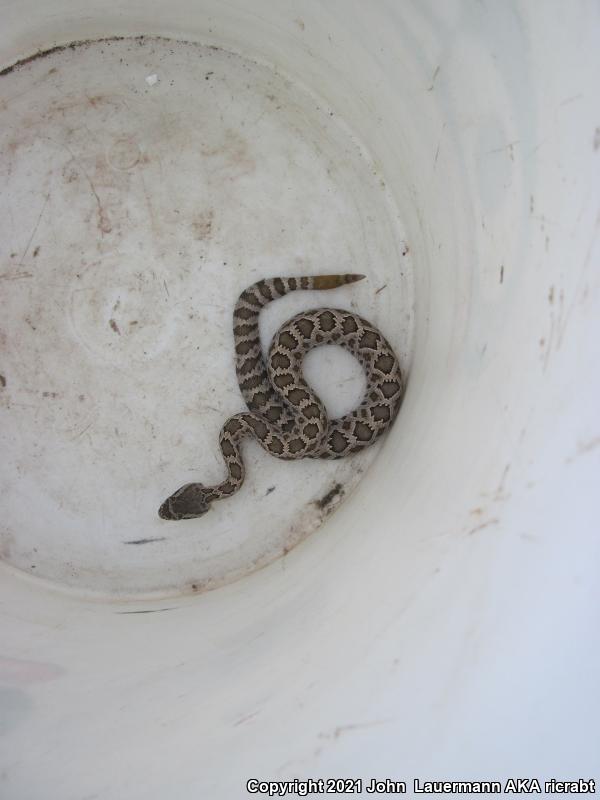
231 157
202 225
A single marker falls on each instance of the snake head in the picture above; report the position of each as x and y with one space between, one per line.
187 502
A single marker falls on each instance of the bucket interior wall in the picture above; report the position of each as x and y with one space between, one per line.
443 623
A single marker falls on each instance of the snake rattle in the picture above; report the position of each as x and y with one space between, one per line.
284 414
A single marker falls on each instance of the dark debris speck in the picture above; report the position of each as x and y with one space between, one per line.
325 501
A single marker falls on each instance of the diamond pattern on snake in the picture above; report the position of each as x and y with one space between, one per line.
284 414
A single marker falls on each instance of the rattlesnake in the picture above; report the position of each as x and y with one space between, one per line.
285 415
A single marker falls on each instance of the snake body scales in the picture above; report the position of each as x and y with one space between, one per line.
284 414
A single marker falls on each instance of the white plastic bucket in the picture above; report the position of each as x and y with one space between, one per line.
443 623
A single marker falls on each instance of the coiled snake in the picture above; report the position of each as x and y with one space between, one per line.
285 415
